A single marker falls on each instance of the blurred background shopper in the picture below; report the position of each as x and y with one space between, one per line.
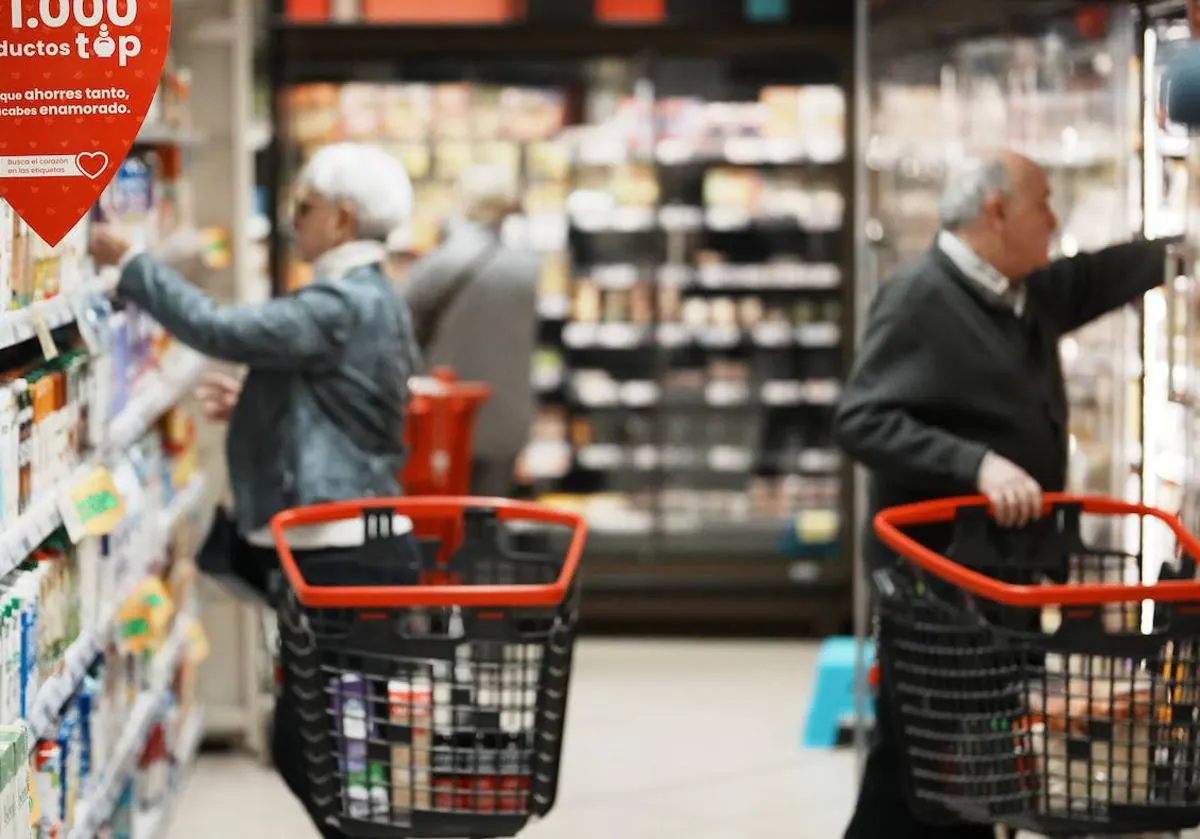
474 307
958 389
320 414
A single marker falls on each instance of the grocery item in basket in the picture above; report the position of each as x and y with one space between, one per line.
410 713
1094 740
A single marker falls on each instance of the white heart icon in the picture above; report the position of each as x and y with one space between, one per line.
92 163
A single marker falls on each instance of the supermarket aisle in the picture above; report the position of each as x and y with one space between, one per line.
666 739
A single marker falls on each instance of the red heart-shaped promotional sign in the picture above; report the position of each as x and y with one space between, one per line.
76 80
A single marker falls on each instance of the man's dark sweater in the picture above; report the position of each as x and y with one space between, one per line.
947 372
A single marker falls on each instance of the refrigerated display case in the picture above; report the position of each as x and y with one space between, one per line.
1170 351
1070 103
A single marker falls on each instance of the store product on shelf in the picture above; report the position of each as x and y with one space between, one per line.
15 803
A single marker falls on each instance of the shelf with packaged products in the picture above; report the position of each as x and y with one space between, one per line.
101 797
83 652
157 392
155 822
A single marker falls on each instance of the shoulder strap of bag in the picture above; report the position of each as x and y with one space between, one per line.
431 325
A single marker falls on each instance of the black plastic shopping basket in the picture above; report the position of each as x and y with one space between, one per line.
430 678
1040 682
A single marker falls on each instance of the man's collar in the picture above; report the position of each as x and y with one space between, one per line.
981 271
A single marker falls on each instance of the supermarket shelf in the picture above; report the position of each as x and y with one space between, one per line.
20 325
155 395
159 391
153 824
616 336
55 692
349 43
102 795
678 219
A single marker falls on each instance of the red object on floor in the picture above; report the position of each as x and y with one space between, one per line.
631 11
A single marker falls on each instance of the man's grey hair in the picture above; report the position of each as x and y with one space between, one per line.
967 190
488 194
371 181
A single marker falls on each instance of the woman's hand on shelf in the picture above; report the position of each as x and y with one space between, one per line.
218 394
107 246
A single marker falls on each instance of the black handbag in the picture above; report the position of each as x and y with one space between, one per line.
242 569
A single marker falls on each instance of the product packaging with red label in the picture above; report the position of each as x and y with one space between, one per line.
76 80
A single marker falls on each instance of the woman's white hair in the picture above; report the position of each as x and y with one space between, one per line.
967 190
371 181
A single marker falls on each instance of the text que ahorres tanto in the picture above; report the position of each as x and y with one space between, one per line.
103 16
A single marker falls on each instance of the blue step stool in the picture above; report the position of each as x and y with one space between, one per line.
833 697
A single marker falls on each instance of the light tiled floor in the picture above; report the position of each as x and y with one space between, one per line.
664 739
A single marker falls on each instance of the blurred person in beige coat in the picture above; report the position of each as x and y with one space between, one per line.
474 307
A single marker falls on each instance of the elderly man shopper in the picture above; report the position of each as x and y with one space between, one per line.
474 305
958 389
320 414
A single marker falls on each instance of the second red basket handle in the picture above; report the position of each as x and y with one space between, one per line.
888 524
392 597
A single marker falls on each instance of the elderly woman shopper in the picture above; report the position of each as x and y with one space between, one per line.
319 416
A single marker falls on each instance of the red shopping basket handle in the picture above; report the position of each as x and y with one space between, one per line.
393 597
888 523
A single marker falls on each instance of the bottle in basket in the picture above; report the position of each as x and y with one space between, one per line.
410 712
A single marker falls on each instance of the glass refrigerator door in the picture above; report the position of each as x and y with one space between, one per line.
1067 103
1170 351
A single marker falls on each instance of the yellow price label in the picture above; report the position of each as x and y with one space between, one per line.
93 506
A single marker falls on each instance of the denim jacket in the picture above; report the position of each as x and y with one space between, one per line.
321 413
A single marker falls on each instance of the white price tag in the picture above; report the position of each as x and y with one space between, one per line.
71 518
45 338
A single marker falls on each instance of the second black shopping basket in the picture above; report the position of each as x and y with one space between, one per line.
1040 682
431 678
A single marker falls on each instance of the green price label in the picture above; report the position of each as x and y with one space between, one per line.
97 505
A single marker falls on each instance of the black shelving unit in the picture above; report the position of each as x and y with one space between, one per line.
659 433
